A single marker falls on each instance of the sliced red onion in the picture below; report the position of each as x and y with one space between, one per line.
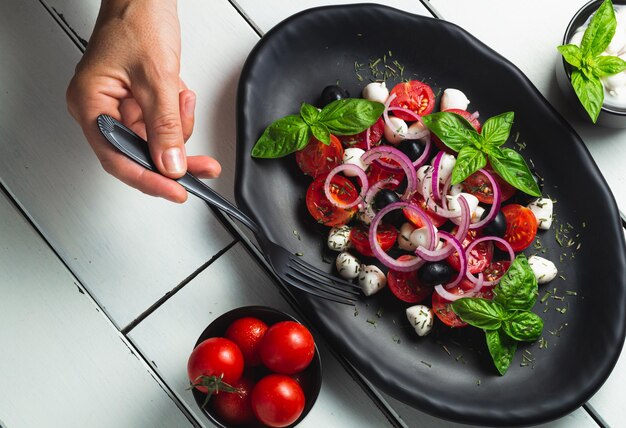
432 205
368 138
371 193
474 116
435 176
441 290
358 172
442 253
397 156
456 245
471 246
416 117
387 260
495 206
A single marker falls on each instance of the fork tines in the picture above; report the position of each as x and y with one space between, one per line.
329 280
307 284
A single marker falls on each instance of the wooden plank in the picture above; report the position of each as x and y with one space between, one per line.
129 249
64 364
168 335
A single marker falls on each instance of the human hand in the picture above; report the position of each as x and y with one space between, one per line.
130 71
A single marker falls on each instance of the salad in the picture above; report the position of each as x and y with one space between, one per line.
426 201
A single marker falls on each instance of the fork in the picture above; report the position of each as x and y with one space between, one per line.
287 266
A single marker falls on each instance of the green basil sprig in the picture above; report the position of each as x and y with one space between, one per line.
588 63
476 148
507 319
341 117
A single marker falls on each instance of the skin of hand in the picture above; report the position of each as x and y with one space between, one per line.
131 71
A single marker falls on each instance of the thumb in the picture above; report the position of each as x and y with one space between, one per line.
161 112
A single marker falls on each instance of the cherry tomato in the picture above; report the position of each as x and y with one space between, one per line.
441 306
413 95
322 210
495 270
317 158
377 172
277 400
467 116
405 285
479 185
359 140
247 333
287 347
235 408
418 200
215 357
521 226
386 235
479 258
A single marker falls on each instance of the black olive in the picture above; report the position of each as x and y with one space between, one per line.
332 93
412 148
386 197
402 186
434 273
497 227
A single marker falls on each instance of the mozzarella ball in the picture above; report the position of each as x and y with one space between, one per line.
353 156
376 91
477 214
371 279
398 128
544 270
542 209
417 127
421 237
348 265
404 241
453 98
455 206
446 165
421 318
455 189
363 216
339 238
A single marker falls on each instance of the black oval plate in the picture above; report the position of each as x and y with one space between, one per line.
449 373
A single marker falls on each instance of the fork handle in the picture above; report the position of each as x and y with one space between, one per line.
136 148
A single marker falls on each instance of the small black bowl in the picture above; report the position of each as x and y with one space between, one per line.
312 375
609 117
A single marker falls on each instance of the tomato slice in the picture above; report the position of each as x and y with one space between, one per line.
377 172
359 140
467 116
386 235
441 306
479 185
478 259
495 270
418 200
322 210
521 227
413 95
405 285
318 158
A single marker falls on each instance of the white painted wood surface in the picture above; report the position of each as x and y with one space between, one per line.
63 363
168 335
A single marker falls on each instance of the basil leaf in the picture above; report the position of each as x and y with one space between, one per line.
282 137
479 312
524 325
309 113
321 133
512 167
517 288
496 129
451 128
572 54
590 93
350 116
468 161
502 349
608 66
600 31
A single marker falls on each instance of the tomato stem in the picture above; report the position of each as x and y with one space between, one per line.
214 385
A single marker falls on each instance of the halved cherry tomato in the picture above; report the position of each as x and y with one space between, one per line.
478 259
467 116
479 185
317 158
521 226
377 172
441 306
405 285
495 270
322 210
359 140
413 95
386 235
418 200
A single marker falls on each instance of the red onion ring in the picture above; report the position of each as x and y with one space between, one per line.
343 167
368 138
435 177
442 253
495 206
416 117
471 246
456 245
441 290
473 116
371 193
432 205
390 262
395 155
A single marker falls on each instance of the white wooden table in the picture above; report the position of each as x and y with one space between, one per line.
103 291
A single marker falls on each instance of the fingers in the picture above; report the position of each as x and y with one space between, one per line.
204 166
187 100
